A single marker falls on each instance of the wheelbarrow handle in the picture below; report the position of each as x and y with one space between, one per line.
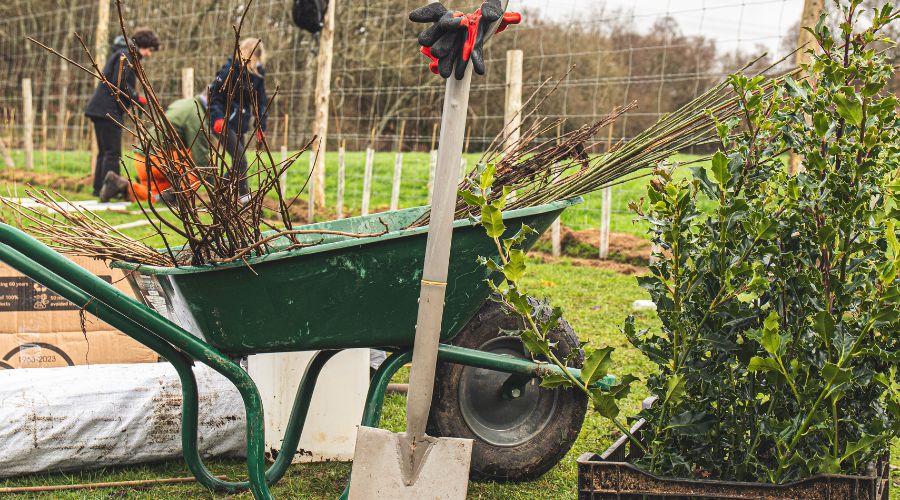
39 262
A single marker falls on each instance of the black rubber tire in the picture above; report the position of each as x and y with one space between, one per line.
536 454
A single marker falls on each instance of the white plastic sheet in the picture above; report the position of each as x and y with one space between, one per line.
58 419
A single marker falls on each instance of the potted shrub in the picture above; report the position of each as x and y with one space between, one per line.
780 342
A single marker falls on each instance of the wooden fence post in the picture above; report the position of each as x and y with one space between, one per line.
339 205
555 237
513 115
62 152
367 174
284 155
85 134
323 96
556 228
187 82
44 137
311 213
812 10
606 208
100 52
28 122
605 220
398 169
4 152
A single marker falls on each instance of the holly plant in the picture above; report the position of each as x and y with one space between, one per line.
508 267
780 307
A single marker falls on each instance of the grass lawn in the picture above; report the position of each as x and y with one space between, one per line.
596 301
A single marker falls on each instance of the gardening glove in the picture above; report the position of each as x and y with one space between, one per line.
479 28
219 125
455 38
443 40
142 100
260 136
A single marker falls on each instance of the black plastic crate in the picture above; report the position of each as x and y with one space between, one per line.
612 476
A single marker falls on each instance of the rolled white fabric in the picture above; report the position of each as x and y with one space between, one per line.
81 417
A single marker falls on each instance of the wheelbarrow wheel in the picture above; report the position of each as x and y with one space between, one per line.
520 430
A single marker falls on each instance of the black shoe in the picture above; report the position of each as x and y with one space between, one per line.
109 187
113 185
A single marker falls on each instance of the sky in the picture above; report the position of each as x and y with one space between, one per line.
741 24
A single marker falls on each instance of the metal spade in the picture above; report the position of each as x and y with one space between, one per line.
412 464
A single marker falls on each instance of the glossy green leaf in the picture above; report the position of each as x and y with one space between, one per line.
596 364
720 169
758 364
492 220
514 270
849 108
692 423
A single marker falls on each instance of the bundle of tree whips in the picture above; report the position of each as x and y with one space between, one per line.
542 166
216 221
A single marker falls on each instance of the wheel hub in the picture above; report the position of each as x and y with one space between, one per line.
502 411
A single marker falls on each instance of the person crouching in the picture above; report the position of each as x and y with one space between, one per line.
150 182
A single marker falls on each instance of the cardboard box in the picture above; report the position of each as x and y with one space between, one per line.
40 329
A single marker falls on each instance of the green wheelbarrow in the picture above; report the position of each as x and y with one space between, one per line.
341 293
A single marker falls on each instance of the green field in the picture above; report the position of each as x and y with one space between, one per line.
414 185
596 301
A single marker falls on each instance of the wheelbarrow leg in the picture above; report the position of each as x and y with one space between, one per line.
290 442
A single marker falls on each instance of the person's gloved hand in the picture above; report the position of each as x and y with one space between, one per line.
142 100
443 40
260 136
455 38
219 125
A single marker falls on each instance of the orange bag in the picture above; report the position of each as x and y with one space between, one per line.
145 186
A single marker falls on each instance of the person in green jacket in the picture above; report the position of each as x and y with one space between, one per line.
185 117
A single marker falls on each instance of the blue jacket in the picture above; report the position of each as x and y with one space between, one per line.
241 111
117 66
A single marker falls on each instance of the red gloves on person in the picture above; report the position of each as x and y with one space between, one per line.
260 136
142 100
219 125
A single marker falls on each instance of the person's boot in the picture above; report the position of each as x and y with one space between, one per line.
113 185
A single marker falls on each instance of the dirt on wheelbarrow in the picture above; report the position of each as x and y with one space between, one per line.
628 254
43 180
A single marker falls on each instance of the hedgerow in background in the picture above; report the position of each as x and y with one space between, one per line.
780 343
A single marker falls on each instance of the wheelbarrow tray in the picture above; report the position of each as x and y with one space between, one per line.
341 293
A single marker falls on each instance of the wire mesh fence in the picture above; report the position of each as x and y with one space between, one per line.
659 53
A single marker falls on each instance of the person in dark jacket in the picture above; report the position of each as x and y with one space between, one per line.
105 108
234 99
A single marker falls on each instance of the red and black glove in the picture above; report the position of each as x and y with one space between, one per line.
219 125
260 136
455 38
142 100
442 41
